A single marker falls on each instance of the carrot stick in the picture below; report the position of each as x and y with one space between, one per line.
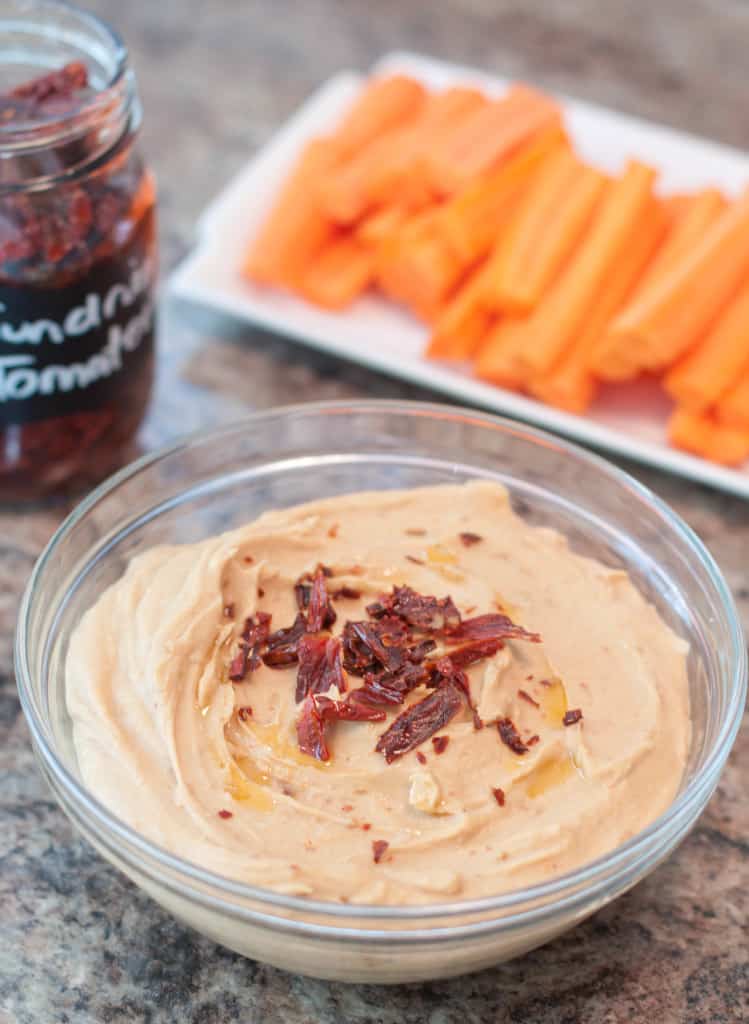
338 274
296 229
381 224
489 136
551 328
382 104
570 384
497 358
733 408
553 217
617 356
381 170
464 323
703 435
668 320
700 377
468 222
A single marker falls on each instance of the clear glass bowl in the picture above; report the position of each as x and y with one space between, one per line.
216 481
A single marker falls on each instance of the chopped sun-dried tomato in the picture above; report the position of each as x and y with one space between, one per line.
440 744
379 849
421 758
320 611
510 736
493 625
319 665
281 646
225 814
420 721
475 651
418 610
347 593
524 695
572 716
368 646
310 731
499 796
254 634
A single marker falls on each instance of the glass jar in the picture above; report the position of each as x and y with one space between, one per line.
77 250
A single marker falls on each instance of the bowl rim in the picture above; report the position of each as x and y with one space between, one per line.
588 879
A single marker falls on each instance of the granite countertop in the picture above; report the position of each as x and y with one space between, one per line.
78 942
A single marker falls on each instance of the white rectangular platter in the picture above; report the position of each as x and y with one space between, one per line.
629 421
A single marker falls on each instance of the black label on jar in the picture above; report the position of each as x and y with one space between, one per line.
65 350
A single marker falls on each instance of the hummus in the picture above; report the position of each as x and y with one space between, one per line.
212 769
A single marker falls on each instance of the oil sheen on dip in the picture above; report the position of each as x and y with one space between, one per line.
212 769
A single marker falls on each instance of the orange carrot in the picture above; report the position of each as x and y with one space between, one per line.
570 384
618 356
384 168
468 223
733 408
671 317
497 358
488 136
338 274
551 328
295 229
703 435
700 377
551 221
381 105
464 323
381 224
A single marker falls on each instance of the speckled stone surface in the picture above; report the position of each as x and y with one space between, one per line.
78 943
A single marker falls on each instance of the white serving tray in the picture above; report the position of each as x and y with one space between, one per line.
629 421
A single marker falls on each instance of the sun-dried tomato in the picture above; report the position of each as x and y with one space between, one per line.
319 665
346 593
493 625
282 646
572 716
440 744
371 645
351 709
310 731
420 721
312 598
510 736
254 634
470 653
499 796
423 612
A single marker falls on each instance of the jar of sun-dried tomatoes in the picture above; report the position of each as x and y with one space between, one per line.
77 250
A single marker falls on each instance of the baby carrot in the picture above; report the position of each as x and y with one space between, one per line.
340 272
701 434
733 408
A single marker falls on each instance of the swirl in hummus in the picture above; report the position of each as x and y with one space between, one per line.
212 768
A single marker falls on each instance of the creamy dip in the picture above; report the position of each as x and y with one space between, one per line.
212 770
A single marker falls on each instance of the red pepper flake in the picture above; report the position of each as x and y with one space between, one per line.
529 678
366 826
469 539
248 559
260 592
333 530
225 814
420 721
229 611
379 849
416 561
244 713
546 682
572 716
533 740
347 593
347 808
499 796
510 736
440 744
527 697
416 532
420 757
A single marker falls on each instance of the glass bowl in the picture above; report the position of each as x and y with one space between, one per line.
219 480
